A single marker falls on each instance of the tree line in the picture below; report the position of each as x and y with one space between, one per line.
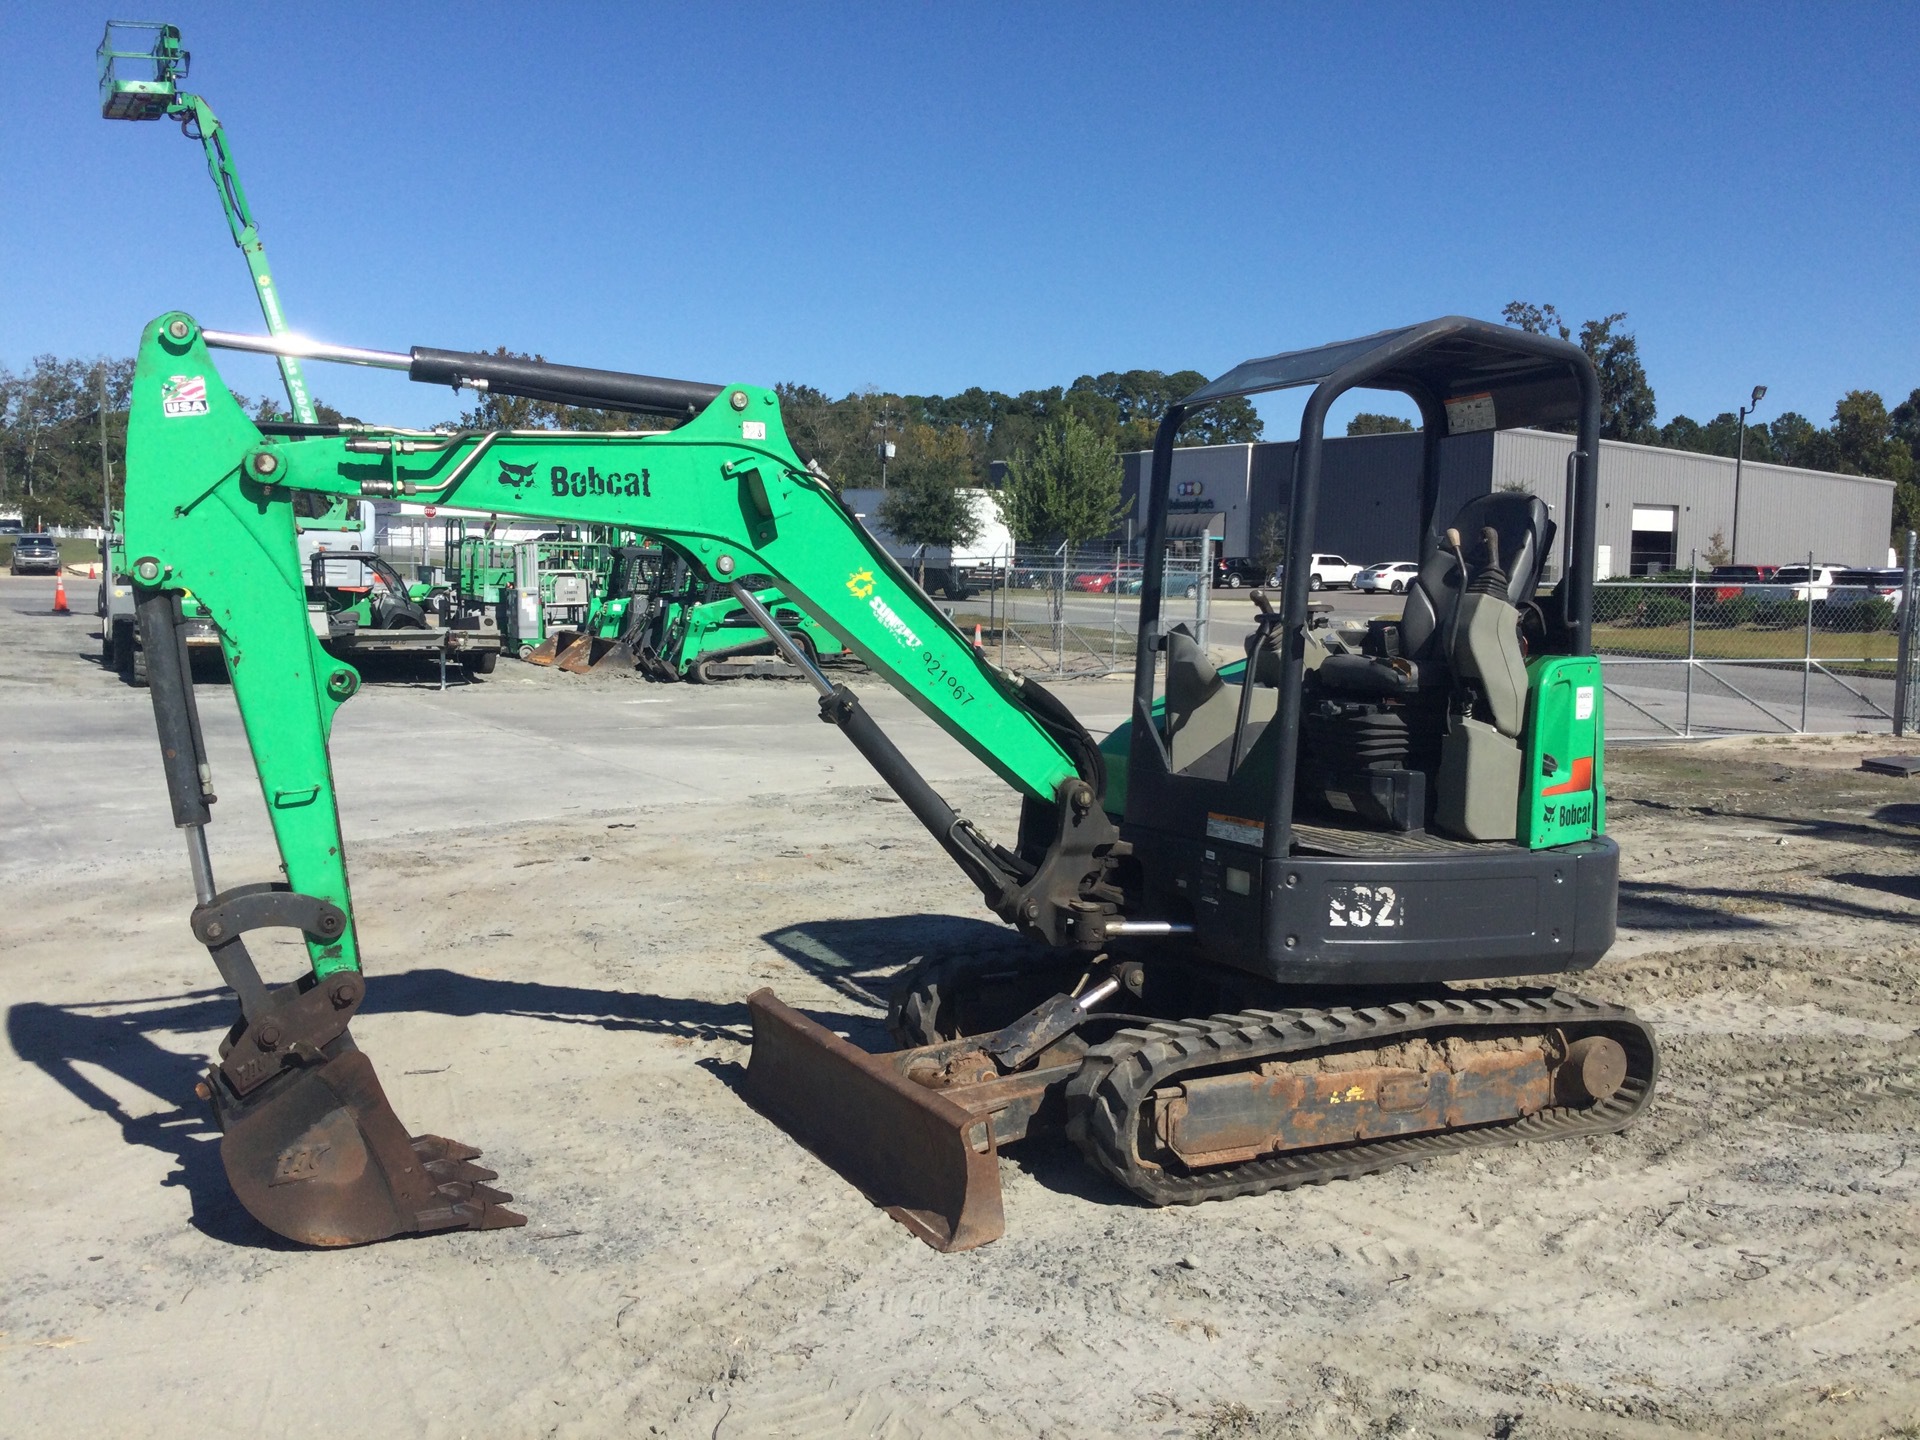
1060 444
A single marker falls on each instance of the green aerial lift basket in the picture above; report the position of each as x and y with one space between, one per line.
141 63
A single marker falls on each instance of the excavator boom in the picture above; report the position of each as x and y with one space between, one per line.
213 502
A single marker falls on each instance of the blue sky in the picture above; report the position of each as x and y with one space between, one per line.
921 198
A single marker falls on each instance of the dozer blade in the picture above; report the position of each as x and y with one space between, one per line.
543 653
913 1152
577 658
317 1155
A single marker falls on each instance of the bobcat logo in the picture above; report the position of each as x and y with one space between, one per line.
515 476
298 1162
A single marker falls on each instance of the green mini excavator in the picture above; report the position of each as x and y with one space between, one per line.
1247 912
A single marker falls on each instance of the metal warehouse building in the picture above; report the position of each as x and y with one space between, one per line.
1657 506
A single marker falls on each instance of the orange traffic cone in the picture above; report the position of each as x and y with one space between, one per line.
60 594
93 572
977 645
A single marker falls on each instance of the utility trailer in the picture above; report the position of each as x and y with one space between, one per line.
359 605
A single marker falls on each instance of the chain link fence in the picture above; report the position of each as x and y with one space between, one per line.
1809 648
1075 611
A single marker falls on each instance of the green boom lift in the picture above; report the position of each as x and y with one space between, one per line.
141 66
1246 909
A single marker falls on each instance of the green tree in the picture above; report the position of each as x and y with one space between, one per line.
1861 440
925 503
1905 424
1270 541
1369 423
1535 319
1906 496
50 439
1626 398
1719 436
1627 405
517 412
1067 487
1789 436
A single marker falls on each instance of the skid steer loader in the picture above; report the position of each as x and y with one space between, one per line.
1256 898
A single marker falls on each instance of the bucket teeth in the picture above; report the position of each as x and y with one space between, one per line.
463 1185
317 1155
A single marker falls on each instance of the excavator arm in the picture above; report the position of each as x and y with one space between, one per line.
212 506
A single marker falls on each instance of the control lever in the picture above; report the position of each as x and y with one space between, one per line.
1266 636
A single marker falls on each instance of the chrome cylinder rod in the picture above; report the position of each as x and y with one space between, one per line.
301 348
778 634
200 862
1148 927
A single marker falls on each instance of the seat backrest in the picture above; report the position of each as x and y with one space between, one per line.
1526 534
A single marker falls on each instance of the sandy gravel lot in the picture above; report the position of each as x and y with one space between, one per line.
567 888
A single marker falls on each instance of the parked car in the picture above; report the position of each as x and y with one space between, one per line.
1102 582
35 555
10 525
1331 570
1135 582
1326 570
1852 587
1794 582
1393 576
1731 581
1234 573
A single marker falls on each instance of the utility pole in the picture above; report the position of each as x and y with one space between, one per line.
1739 459
106 465
885 447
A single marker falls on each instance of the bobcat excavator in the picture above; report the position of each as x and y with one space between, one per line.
1246 914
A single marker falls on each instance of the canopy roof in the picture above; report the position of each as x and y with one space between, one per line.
1486 376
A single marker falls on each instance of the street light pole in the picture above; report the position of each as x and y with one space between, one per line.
1739 459
106 466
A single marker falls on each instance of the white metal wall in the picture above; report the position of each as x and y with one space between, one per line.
1784 513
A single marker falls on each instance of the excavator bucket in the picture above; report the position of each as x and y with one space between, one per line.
547 649
317 1155
618 655
923 1159
576 658
593 652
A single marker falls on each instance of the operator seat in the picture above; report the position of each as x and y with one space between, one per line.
1420 660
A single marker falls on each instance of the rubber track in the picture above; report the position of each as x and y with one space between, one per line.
1107 1097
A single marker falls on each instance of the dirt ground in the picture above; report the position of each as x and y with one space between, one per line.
561 982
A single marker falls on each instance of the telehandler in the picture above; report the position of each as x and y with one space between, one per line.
1256 898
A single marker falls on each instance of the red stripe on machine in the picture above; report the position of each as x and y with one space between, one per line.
1580 779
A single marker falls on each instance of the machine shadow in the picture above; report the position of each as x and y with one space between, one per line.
860 958
62 1039
123 1038
1653 905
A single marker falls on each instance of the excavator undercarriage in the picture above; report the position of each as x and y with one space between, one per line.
1250 930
